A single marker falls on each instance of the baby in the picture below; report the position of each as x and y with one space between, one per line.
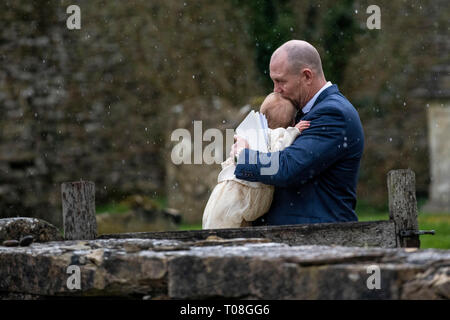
235 202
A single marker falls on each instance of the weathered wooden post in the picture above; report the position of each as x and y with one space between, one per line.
403 206
78 205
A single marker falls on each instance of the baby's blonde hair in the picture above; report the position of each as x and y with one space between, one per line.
279 111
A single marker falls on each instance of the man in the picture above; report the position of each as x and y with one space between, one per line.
316 176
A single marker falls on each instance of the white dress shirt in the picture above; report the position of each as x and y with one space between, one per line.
310 103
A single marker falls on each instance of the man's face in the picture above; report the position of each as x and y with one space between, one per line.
286 83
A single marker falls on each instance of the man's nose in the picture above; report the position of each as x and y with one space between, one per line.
277 89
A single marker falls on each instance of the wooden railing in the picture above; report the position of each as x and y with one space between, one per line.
401 230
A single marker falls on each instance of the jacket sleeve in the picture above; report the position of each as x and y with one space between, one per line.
316 149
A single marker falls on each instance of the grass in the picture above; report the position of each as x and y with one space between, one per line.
185 226
122 207
113 208
439 223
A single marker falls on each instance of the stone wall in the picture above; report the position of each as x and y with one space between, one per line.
216 268
90 104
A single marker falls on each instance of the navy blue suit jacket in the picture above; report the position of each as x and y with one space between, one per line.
316 176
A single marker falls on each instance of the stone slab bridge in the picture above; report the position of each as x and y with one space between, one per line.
354 260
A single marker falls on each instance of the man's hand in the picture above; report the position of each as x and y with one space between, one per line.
302 125
239 144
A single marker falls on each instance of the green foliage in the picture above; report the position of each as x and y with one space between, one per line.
185 227
367 209
112 208
333 31
339 43
270 24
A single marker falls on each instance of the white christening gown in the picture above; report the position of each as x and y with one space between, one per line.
234 202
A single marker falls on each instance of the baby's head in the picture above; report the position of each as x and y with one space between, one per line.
279 112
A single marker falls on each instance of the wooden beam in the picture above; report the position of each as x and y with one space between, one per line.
358 234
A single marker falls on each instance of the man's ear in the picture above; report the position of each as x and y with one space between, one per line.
307 75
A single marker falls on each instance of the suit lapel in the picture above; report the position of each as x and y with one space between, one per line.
330 90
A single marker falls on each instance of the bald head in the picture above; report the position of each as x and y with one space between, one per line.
296 72
300 54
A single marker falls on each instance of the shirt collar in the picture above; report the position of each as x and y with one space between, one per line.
310 103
